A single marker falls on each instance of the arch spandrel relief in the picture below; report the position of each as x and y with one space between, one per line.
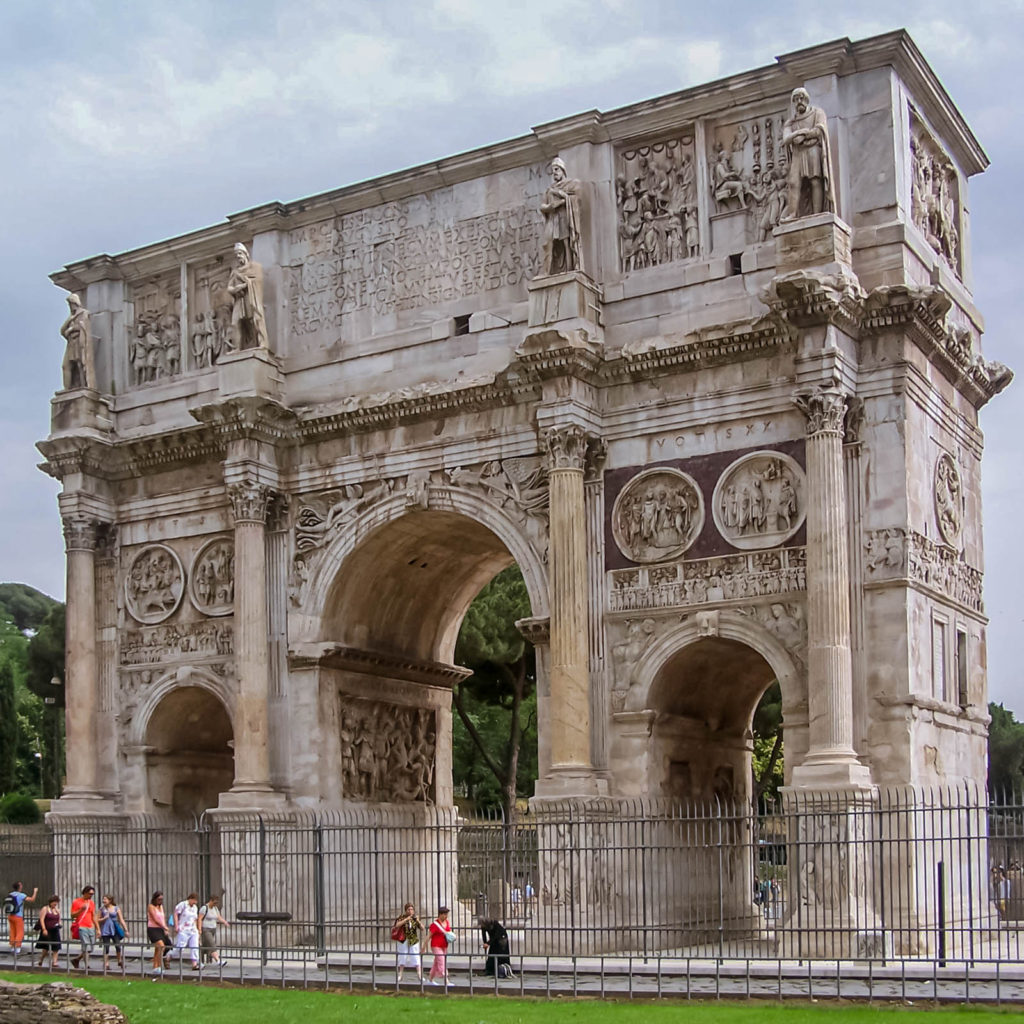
657 515
212 579
950 505
760 500
155 584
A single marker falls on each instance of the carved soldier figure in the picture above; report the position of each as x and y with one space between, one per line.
562 220
79 368
805 137
248 325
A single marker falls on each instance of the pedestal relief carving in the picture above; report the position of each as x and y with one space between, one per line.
154 585
656 193
387 752
759 501
708 580
657 515
934 194
950 506
212 578
154 349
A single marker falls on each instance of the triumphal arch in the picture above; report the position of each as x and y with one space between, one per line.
707 368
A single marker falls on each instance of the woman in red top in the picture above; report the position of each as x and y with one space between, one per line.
441 935
49 931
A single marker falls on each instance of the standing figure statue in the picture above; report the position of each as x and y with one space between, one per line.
79 367
805 137
248 325
561 209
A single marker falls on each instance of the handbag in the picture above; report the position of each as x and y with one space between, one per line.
118 930
75 934
398 932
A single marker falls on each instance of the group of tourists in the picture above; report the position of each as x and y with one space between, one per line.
194 926
408 930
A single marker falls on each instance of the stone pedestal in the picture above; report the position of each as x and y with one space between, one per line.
832 876
79 412
821 241
254 371
564 312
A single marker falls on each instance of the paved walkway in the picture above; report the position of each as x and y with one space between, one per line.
618 977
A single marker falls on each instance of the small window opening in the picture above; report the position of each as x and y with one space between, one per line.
736 263
462 325
962 695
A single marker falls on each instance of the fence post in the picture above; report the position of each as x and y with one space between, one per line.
263 889
320 929
941 873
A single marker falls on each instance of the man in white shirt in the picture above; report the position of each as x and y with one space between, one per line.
186 930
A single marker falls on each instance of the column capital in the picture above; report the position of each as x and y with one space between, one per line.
825 409
81 533
250 501
572 447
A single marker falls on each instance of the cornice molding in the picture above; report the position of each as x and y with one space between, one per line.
377 663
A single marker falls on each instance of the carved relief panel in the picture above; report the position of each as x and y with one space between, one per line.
209 305
154 585
934 194
154 334
387 751
656 195
212 578
747 171
950 505
658 515
759 500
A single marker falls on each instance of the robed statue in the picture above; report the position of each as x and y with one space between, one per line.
79 366
245 285
563 250
805 136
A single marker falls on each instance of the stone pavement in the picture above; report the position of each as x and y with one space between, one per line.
614 977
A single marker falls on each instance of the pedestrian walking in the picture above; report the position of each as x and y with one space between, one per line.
49 931
409 926
156 930
210 918
83 925
441 936
14 908
112 930
186 927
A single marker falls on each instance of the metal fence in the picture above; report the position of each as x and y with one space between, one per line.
899 875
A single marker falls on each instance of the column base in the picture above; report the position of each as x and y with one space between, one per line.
74 803
252 797
834 774
570 780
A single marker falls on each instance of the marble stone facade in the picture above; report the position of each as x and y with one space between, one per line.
725 442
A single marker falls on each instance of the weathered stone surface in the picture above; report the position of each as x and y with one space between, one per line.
56 1002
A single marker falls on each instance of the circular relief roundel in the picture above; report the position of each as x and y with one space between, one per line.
154 585
759 501
657 515
211 583
949 500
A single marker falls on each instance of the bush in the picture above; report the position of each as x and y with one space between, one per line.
19 809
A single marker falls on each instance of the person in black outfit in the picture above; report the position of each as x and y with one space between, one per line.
499 960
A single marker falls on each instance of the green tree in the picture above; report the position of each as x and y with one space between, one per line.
496 705
767 729
45 664
1005 752
26 606
8 729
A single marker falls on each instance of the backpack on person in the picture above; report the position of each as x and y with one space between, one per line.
10 905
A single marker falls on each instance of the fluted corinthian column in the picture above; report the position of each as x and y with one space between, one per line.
569 724
249 503
830 759
81 679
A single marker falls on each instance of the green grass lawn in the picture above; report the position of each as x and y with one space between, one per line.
144 1002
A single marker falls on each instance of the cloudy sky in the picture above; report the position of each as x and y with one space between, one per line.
133 121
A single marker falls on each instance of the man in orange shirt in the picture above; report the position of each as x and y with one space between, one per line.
83 921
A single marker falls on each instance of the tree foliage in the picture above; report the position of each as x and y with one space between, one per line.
25 606
1005 751
495 731
767 729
